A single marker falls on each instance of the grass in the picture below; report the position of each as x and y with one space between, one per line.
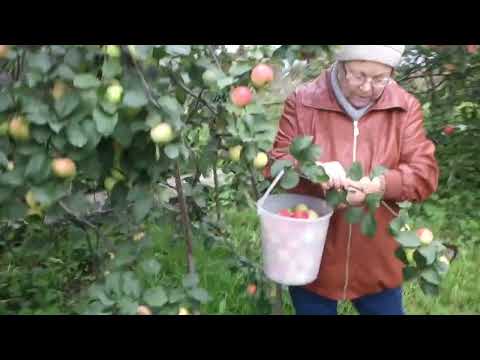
459 294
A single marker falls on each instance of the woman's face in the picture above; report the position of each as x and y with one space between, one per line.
363 81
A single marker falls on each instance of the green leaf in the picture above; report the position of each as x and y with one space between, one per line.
175 50
37 164
225 81
300 144
12 178
5 101
279 165
113 283
172 151
49 193
200 295
142 206
409 273
85 81
335 198
131 285
176 295
135 98
123 134
3 159
75 135
65 72
373 201
356 172
127 306
408 239
40 61
369 225
354 215
171 106
151 266
66 105
97 293
378 171
428 288
290 179
314 173
429 253
14 211
313 153
190 280
111 68
238 69
105 123
78 203
431 276
90 131
155 297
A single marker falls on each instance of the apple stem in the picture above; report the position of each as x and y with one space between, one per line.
185 219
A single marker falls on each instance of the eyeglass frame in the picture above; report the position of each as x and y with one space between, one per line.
348 74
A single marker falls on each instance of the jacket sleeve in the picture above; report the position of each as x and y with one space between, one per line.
416 177
288 130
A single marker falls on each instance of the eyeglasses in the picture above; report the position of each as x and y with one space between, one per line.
360 79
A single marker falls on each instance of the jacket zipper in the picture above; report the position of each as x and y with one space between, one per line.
356 132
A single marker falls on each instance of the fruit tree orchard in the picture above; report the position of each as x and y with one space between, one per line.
95 136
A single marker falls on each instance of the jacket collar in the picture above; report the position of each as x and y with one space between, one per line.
319 94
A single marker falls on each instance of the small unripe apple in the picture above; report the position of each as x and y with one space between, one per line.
110 183
113 51
261 160
235 152
183 311
59 89
162 133
114 93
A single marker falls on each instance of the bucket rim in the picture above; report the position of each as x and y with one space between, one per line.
319 219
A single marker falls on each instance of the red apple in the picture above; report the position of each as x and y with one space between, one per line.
252 289
144 310
448 130
300 214
472 49
19 128
425 235
64 168
241 96
285 212
261 75
4 50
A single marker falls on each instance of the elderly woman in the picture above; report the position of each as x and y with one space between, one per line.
356 112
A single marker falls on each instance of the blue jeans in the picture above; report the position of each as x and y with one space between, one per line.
388 302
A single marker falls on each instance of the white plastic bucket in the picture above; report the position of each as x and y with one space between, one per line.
292 248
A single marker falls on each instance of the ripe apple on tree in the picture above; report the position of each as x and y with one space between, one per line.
4 50
448 130
241 96
425 236
144 310
252 289
64 168
261 75
19 128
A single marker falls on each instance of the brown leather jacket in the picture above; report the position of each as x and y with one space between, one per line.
390 134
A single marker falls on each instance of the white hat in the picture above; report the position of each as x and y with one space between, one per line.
385 54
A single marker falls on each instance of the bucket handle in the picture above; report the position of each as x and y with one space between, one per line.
269 190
